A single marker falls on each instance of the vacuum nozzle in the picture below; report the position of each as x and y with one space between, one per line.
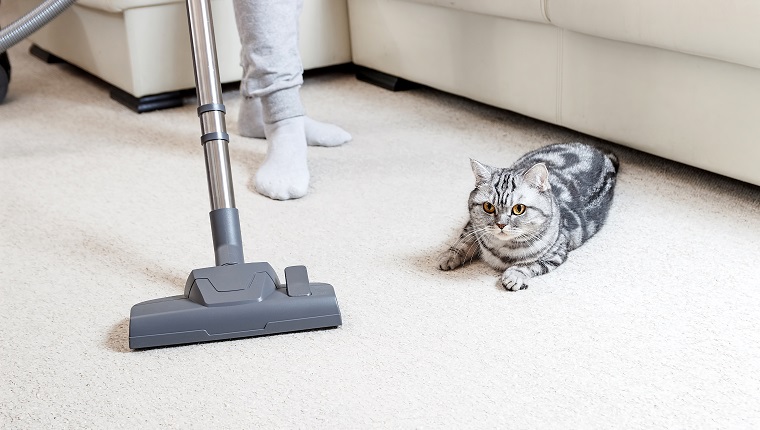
234 301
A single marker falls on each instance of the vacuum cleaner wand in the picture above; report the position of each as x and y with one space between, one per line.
225 226
233 299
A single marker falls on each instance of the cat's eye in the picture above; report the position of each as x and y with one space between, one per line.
518 209
488 207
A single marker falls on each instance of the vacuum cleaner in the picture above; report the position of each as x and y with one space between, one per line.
232 299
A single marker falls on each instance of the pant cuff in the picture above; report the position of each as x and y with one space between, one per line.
282 104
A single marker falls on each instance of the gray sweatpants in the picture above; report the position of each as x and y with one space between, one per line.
272 68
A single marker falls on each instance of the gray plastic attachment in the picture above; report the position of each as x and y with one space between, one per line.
228 302
297 281
216 135
208 107
225 231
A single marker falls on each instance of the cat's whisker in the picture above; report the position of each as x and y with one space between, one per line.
530 236
464 238
459 241
467 245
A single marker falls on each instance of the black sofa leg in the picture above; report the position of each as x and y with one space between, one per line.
148 103
384 80
44 55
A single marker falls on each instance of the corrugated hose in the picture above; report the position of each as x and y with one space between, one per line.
31 22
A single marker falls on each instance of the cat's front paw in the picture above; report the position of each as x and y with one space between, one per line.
450 259
514 279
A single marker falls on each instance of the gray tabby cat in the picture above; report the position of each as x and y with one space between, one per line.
526 218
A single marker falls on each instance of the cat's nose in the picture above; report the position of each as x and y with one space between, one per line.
501 226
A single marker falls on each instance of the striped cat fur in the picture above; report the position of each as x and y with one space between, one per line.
526 218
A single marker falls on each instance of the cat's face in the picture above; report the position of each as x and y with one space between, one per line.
510 206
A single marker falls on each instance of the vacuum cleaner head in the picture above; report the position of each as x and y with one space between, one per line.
234 301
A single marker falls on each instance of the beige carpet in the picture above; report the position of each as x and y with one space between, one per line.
655 323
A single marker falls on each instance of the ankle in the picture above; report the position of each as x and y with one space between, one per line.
250 118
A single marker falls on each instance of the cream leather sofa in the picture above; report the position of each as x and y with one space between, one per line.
677 78
142 47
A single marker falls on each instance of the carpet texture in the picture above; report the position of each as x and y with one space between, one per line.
653 323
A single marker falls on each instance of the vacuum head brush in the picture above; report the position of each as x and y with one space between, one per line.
234 301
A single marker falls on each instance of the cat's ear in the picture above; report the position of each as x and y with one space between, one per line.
482 172
538 176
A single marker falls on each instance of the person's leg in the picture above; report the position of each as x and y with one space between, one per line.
272 72
251 115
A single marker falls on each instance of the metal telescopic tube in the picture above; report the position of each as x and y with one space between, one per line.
209 90
225 223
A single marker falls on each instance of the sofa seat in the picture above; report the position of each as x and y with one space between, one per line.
142 47
678 80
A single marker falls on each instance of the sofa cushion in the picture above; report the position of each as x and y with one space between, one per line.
118 6
527 10
727 30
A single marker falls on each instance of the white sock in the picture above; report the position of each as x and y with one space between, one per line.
285 173
324 134
251 124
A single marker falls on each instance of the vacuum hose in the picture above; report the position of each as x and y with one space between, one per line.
31 22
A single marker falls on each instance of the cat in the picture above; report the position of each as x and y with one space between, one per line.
526 218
